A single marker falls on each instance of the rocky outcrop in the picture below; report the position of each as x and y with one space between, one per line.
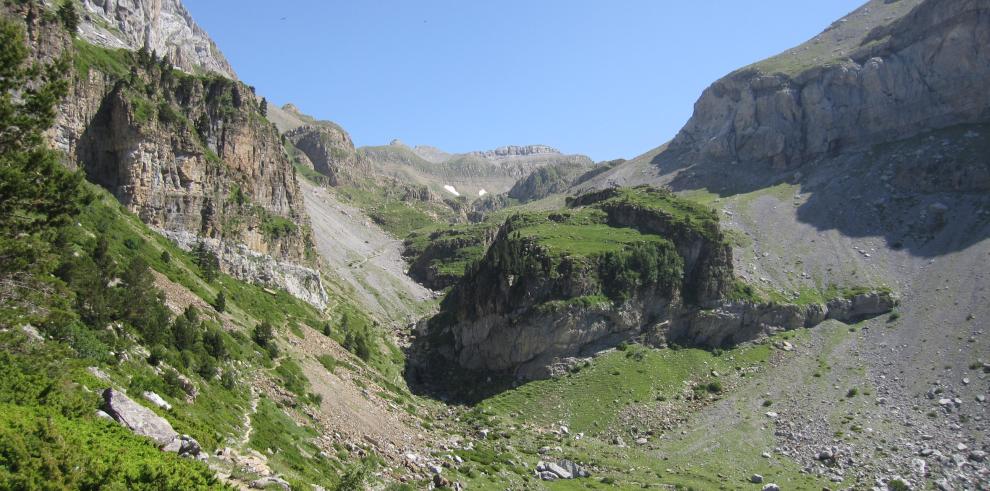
524 308
431 265
431 154
513 151
143 421
192 156
737 322
535 304
545 181
161 26
138 418
926 69
329 148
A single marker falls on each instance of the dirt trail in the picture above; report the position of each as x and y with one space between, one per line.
248 427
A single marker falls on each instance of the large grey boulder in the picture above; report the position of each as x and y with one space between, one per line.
137 418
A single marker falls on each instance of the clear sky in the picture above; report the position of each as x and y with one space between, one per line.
606 78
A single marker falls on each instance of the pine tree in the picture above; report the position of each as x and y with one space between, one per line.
68 16
37 194
207 260
264 107
220 304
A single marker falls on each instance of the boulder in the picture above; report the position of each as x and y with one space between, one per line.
137 418
558 470
771 487
265 482
575 469
157 400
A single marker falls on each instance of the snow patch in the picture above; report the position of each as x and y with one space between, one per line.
451 189
482 192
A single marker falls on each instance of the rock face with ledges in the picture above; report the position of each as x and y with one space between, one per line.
328 147
162 26
926 69
191 155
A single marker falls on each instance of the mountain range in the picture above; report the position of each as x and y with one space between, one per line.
789 294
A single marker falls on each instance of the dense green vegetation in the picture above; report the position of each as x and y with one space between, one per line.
85 274
445 253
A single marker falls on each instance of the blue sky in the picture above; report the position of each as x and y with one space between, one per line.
608 79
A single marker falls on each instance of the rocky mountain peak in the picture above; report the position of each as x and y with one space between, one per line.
162 26
512 151
916 65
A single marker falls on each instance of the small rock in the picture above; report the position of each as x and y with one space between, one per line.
977 456
32 332
157 400
756 479
440 482
558 470
641 441
771 487
265 482
771 414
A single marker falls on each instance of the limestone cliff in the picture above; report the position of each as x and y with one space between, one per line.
887 71
617 265
329 148
571 283
161 26
191 155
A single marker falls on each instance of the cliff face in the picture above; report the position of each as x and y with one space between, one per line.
161 26
927 69
329 148
190 155
548 180
514 151
571 283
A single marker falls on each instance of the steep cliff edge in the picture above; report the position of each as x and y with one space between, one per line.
191 155
887 71
164 27
329 149
616 265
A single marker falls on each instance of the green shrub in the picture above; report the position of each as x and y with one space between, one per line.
714 387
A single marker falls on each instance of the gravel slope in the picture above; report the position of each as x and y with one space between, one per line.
366 260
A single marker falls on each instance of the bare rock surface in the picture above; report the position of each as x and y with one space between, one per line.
138 418
162 26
